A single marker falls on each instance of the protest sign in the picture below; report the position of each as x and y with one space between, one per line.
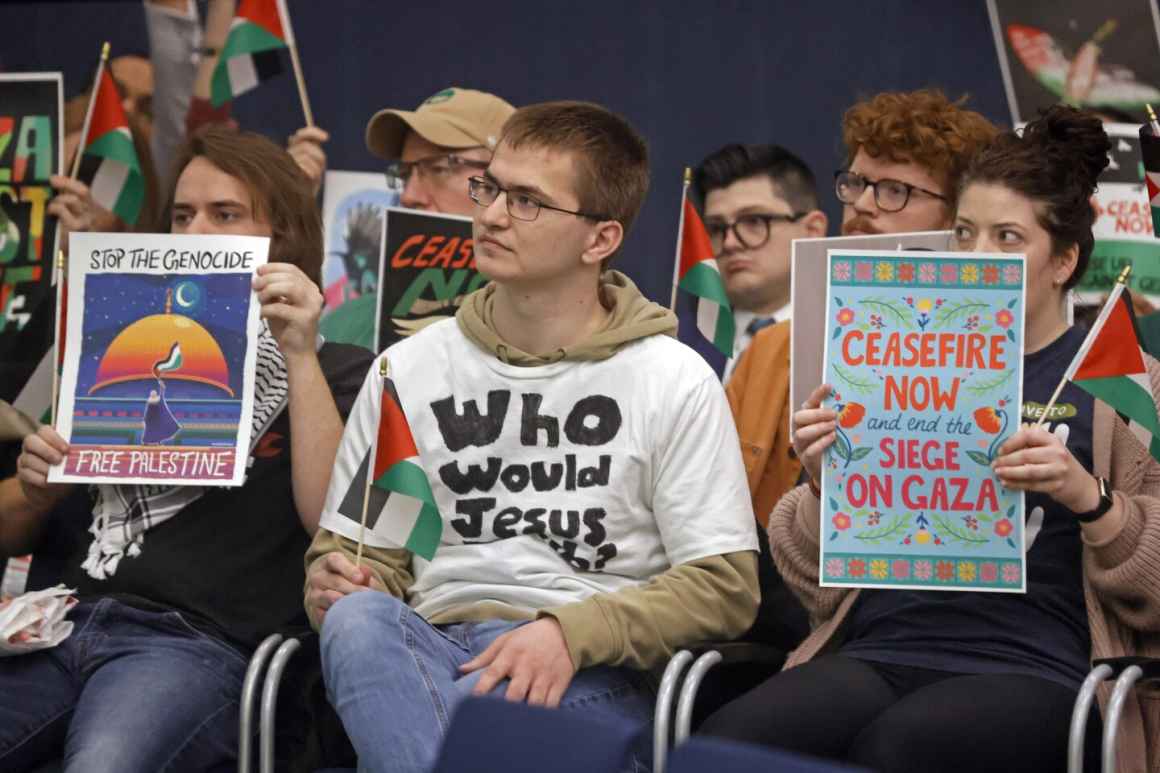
1123 226
352 222
160 352
427 266
1096 55
925 354
808 296
31 139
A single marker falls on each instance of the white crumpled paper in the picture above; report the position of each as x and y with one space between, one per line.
35 621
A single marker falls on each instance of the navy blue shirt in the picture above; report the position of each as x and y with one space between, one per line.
1043 632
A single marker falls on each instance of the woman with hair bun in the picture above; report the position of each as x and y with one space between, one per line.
901 680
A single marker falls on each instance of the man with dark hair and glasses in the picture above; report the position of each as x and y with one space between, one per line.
758 199
905 152
591 496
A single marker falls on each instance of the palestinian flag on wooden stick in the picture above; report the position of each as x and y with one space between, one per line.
250 54
1110 366
400 504
109 164
705 318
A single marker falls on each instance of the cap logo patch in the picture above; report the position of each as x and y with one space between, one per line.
442 96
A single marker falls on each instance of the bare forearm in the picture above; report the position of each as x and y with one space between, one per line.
315 433
21 520
219 15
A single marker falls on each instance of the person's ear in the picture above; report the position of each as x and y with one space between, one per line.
603 242
815 223
1063 265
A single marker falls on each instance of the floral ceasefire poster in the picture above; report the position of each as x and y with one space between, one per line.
160 355
924 352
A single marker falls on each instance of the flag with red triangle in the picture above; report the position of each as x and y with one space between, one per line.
259 30
109 164
400 505
1110 366
704 314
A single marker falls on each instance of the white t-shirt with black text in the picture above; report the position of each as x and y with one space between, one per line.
559 481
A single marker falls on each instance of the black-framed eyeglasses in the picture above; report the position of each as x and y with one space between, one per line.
889 195
751 230
521 206
438 169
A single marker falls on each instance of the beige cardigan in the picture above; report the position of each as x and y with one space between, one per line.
1121 576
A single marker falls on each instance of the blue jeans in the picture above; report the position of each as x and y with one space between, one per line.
395 681
128 691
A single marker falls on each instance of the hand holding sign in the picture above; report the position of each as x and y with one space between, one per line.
814 430
40 451
292 303
1034 459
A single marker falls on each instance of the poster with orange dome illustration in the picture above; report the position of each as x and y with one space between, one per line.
160 351
924 351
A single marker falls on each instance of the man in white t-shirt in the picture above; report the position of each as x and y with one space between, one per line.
758 199
592 501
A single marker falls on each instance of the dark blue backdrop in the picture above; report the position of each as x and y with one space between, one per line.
691 76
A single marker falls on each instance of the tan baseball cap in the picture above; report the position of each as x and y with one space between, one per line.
454 118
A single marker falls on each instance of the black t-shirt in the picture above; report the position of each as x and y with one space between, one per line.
231 561
1043 632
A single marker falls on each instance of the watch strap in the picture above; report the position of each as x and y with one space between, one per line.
1103 507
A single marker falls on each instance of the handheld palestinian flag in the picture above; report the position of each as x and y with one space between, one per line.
703 313
1110 367
250 54
400 506
109 164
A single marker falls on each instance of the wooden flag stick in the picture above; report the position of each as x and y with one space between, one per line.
688 179
1122 280
362 529
57 343
76 166
292 44
301 86
59 265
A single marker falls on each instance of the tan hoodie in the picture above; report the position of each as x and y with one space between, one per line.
710 599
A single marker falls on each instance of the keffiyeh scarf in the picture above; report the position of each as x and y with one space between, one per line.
123 514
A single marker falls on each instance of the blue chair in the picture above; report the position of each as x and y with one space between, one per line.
710 754
492 735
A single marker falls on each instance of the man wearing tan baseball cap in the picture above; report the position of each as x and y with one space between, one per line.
433 149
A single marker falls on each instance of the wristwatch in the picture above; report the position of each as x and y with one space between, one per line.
1104 505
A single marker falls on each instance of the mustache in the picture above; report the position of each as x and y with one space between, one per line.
861 223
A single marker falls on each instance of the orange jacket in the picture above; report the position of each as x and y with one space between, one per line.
758 393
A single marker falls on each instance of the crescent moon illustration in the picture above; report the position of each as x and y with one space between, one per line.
181 301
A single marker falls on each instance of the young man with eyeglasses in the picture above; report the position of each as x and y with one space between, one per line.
593 506
758 199
430 152
905 153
